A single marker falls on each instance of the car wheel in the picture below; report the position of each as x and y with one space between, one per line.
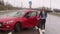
17 27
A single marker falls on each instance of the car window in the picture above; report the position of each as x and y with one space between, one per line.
19 13
31 14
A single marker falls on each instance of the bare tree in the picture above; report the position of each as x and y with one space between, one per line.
1 2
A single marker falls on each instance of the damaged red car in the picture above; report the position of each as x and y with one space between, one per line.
19 19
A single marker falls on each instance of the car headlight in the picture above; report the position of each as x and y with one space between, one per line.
9 22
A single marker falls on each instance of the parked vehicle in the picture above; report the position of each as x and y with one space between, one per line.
19 20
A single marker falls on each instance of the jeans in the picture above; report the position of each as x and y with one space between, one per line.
42 23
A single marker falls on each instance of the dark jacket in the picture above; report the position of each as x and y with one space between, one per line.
42 15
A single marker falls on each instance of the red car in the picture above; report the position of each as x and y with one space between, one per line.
19 20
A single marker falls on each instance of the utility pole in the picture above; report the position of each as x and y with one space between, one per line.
50 4
30 4
7 5
21 4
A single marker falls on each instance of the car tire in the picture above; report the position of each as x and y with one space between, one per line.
17 27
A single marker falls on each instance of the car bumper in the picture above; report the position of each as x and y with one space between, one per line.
6 27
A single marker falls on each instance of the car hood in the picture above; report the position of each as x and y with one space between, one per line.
5 19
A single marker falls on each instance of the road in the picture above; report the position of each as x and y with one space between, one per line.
52 26
25 31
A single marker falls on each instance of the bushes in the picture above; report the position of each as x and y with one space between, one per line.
5 8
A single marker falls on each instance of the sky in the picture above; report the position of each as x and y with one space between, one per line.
35 3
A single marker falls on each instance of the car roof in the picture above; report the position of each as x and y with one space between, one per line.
28 10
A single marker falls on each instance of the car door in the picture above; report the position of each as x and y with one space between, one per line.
35 18
32 18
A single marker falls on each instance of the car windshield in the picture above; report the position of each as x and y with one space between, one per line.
15 14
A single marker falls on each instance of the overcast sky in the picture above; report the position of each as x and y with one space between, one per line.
35 3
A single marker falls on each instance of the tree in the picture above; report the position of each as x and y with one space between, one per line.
1 2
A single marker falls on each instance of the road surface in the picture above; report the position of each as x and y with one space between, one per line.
53 25
26 31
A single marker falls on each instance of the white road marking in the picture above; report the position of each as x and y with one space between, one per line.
40 31
10 33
